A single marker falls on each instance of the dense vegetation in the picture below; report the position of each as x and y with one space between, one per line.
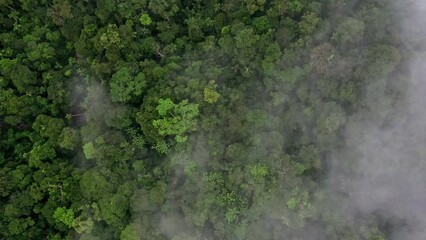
178 119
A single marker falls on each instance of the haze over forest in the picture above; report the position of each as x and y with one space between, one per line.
213 119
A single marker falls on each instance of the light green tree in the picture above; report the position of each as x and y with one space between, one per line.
110 38
66 216
145 19
176 119
89 150
211 95
259 172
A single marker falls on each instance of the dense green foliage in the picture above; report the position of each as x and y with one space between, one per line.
175 119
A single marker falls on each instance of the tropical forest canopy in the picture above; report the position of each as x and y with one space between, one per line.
179 119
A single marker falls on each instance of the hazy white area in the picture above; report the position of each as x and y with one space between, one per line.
388 154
